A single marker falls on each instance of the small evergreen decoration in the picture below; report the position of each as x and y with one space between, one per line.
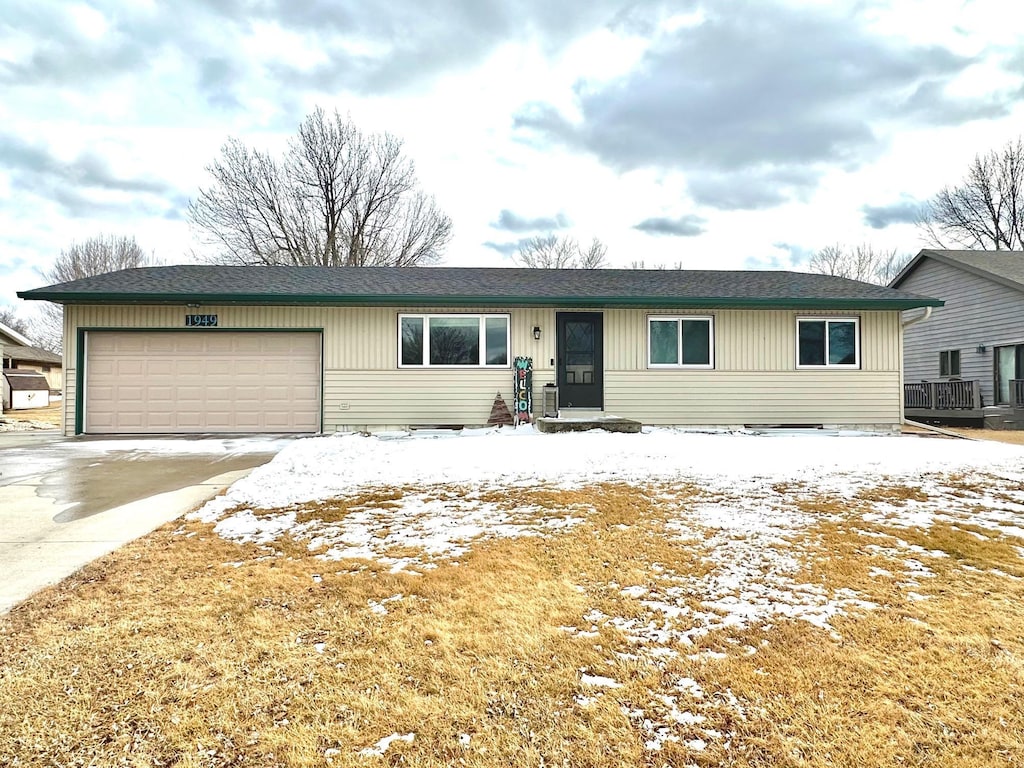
500 414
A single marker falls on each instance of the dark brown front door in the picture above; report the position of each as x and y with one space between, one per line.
580 350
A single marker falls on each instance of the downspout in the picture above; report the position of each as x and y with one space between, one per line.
906 324
919 318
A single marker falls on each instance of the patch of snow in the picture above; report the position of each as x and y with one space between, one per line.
381 746
600 681
379 607
1004 574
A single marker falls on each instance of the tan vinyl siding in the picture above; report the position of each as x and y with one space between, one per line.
67 406
735 397
369 400
755 379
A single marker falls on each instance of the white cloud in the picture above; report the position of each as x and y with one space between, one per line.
124 105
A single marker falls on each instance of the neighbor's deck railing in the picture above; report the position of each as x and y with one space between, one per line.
946 395
1017 393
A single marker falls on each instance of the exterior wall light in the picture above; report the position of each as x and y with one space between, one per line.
981 349
536 332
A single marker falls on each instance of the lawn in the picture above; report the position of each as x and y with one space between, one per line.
495 599
31 418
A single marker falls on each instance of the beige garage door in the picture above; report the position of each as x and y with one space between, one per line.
140 382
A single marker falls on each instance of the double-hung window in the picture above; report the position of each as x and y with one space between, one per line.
680 342
828 342
949 362
480 341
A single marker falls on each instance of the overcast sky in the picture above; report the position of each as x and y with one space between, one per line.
710 135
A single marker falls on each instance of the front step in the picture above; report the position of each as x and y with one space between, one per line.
584 424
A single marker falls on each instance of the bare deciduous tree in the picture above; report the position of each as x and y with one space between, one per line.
986 211
553 252
9 316
93 256
642 264
97 255
338 197
862 262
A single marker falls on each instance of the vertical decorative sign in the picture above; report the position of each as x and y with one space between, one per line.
523 389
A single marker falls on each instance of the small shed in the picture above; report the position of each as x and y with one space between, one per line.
25 389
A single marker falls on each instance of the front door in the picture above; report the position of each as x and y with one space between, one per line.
580 350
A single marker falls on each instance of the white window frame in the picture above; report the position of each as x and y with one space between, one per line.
827 365
679 343
482 323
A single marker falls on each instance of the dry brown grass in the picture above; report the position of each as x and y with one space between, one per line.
49 415
166 654
1012 436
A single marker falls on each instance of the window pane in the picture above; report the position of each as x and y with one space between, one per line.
842 343
696 342
943 363
954 363
1006 368
412 341
497 340
664 342
812 342
454 341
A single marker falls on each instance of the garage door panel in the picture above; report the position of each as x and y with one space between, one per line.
191 367
103 366
250 367
202 381
128 344
124 367
156 368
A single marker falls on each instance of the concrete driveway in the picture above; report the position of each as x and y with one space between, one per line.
66 501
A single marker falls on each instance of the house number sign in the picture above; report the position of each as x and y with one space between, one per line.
200 321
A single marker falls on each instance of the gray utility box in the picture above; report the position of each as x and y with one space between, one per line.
549 406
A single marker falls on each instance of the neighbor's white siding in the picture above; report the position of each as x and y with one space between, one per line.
755 379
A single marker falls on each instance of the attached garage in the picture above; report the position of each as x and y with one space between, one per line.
201 381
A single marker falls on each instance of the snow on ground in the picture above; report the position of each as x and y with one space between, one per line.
182 444
746 500
750 483
11 423
324 467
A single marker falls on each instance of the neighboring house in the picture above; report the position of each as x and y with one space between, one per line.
17 353
979 334
185 349
24 389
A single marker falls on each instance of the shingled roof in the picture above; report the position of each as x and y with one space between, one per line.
25 381
31 354
471 286
1006 267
